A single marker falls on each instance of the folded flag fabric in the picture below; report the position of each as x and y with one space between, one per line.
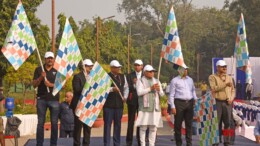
67 59
241 48
20 42
171 48
94 95
241 52
248 73
207 121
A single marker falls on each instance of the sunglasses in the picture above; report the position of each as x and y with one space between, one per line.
223 66
137 65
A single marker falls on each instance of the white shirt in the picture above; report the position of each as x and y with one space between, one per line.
138 75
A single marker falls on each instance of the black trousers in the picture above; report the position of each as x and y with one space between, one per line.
77 132
224 111
184 111
132 112
65 133
248 95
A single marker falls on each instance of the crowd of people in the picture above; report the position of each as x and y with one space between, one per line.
141 91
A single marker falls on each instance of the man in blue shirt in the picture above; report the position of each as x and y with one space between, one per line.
182 96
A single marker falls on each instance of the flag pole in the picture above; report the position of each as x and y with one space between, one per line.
83 66
119 90
159 69
232 65
38 54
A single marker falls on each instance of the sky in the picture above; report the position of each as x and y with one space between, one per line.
89 9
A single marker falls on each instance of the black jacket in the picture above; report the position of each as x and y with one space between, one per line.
66 117
114 99
133 97
78 83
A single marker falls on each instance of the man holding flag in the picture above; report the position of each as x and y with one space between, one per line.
45 99
78 83
113 107
223 91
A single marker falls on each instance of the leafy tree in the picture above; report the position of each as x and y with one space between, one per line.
251 12
24 75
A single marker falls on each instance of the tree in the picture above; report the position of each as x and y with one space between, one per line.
251 12
24 75
208 31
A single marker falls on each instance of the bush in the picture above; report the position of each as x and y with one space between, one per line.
164 101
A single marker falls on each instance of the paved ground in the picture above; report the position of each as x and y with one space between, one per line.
96 132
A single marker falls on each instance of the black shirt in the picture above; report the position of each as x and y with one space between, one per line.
42 92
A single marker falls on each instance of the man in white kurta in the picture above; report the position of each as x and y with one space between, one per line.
149 116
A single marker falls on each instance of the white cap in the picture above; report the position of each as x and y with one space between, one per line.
139 62
48 54
115 63
87 62
221 63
149 68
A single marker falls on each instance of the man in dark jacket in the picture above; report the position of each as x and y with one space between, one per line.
66 117
78 83
132 102
113 107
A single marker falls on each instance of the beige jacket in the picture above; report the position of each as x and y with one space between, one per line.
220 90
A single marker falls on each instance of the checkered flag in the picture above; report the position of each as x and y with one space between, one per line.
68 58
94 95
20 42
171 48
207 120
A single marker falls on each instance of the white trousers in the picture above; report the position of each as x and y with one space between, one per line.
152 135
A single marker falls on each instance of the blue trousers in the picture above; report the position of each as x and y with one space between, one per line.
112 115
54 108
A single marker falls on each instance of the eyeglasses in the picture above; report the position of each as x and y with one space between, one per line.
150 71
137 65
49 58
223 66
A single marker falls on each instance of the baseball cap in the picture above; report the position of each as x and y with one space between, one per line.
149 68
87 62
48 54
221 63
115 63
139 62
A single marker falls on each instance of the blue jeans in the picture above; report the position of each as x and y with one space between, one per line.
54 108
111 115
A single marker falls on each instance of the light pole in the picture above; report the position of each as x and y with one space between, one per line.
199 56
97 32
152 52
129 36
53 27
